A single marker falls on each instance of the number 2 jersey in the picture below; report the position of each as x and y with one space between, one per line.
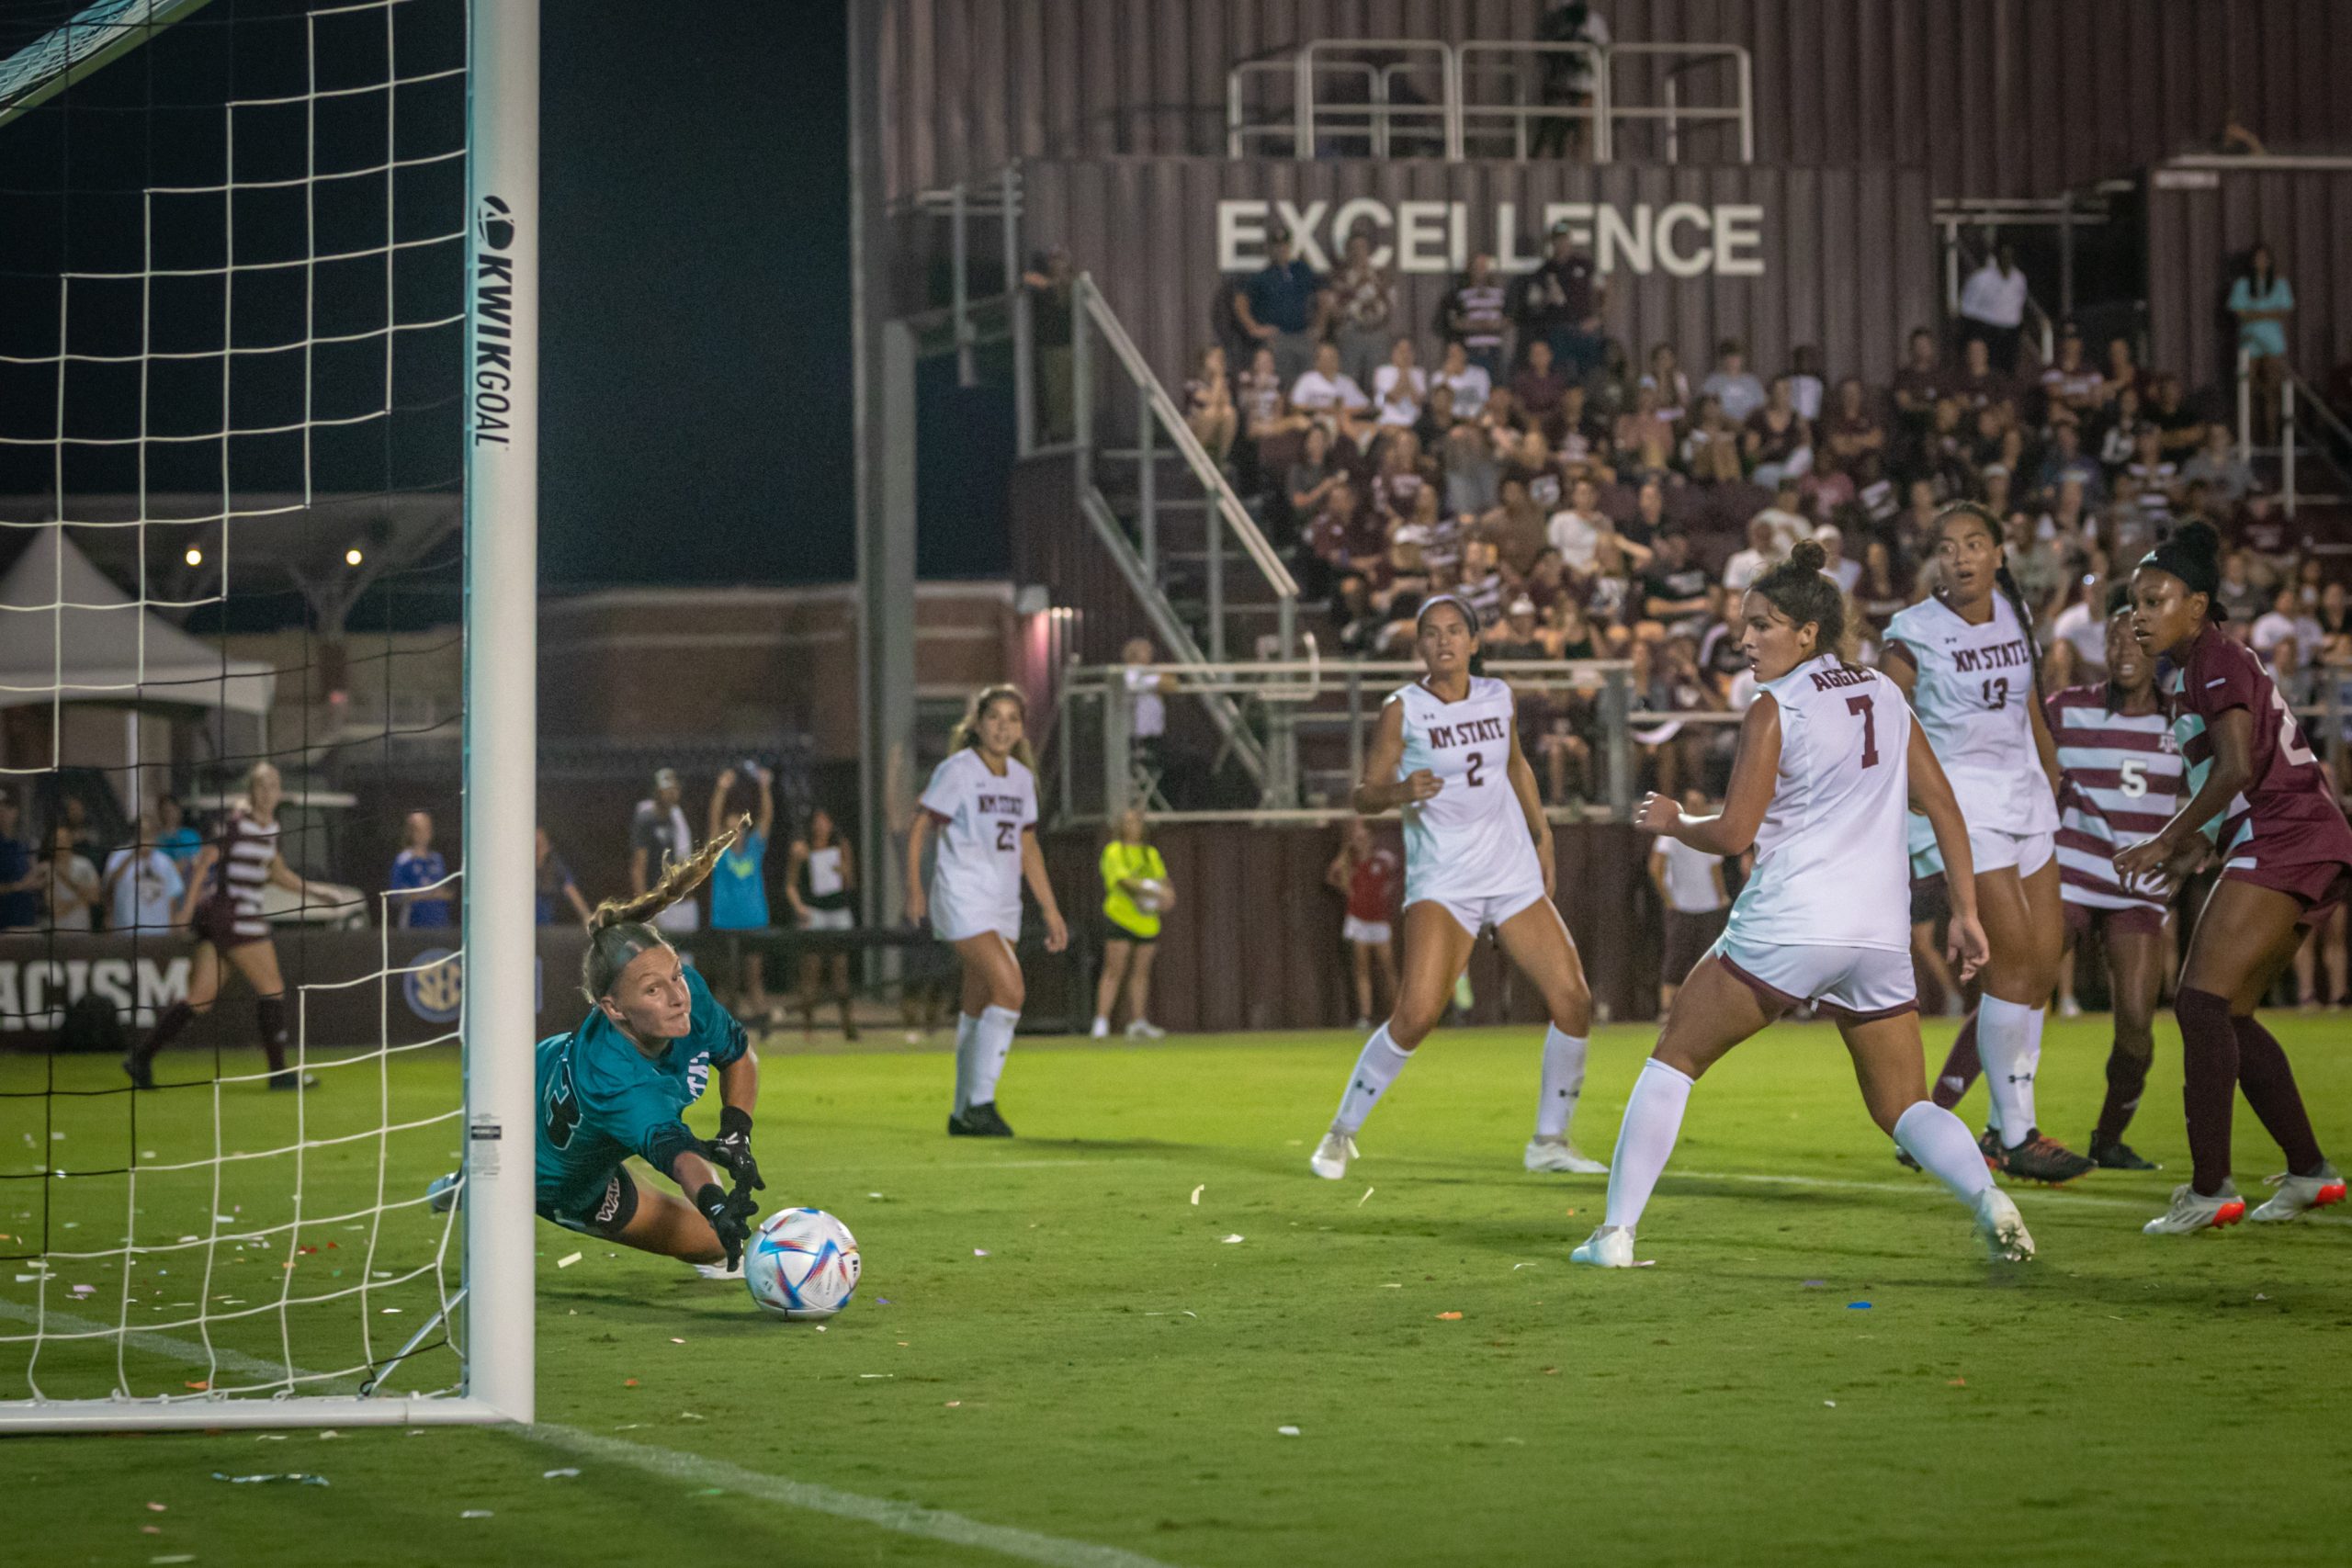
976 884
2122 775
1975 700
2287 814
602 1099
1470 840
1833 866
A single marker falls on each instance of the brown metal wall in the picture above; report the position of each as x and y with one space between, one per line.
1996 98
1254 941
1848 255
2198 234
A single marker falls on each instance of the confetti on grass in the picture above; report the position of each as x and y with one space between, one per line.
567 1262
1367 1196
1286 1431
1232 1239
1449 1317
1196 1194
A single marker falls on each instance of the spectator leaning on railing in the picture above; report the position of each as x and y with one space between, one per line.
421 896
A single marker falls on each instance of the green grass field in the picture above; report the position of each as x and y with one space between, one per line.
1058 1356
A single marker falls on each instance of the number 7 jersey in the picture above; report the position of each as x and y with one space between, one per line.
1833 862
1470 840
1974 698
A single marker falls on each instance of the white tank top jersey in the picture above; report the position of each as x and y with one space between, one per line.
1690 878
976 883
1470 840
825 869
1833 866
1975 700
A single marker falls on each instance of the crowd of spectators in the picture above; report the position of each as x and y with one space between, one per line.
1593 500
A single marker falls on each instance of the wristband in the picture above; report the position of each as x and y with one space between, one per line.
734 1119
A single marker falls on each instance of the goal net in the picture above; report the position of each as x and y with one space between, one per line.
267 392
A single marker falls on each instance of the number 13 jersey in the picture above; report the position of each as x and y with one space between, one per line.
1833 861
1974 699
1470 840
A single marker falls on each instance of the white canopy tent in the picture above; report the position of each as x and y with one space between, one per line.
69 634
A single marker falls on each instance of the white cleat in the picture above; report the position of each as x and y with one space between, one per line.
1558 1153
2297 1195
1330 1158
720 1272
1143 1029
1611 1246
1998 1221
1102 1030
2191 1213
2069 1007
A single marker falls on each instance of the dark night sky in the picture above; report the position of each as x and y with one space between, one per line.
696 320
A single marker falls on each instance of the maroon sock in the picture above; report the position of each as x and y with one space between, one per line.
2270 1084
2209 1081
176 1018
2127 1077
1961 1068
270 1011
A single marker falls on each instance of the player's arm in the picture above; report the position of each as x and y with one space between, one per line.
1895 662
1531 806
1041 887
1380 789
1753 772
2232 734
2046 749
1932 796
286 876
718 814
193 893
916 835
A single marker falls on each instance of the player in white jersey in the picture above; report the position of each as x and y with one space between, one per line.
1829 762
1964 658
1477 854
982 802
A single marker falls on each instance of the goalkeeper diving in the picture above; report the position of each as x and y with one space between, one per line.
619 1085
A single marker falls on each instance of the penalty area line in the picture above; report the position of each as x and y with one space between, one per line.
904 1518
1927 1183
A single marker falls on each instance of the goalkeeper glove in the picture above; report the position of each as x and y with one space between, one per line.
732 1149
730 1218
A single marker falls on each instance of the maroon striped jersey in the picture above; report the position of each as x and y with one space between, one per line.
2120 783
2287 815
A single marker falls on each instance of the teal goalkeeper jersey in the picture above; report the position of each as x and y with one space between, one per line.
602 1099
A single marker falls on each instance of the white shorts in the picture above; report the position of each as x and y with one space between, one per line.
1474 915
1852 984
1992 849
829 920
1371 933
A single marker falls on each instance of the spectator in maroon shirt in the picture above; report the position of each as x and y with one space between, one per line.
1347 535
1777 434
1849 429
1538 386
1978 382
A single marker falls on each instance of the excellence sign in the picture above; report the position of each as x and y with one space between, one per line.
1679 239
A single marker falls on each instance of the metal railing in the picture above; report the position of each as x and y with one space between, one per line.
1519 66
2298 401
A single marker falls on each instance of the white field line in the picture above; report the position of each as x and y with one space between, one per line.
905 1519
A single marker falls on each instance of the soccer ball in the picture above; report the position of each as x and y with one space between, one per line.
1151 894
802 1264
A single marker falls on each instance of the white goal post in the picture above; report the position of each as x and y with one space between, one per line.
490 1307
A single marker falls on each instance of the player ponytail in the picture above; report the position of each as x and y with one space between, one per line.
1799 589
618 932
1469 619
966 733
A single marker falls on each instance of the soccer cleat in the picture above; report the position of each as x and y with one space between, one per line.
291 1078
1102 1030
442 1196
2119 1155
1330 1158
1989 1146
1902 1157
2191 1212
2069 1007
1558 1153
141 1071
979 1122
2044 1160
2297 1195
2003 1228
721 1272
1611 1246
1363 1026
1143 1029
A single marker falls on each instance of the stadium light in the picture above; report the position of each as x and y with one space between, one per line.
193 556
352 556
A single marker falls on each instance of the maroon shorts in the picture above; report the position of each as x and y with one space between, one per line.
2319 886
1930 899
2136 919
1687 937
216 922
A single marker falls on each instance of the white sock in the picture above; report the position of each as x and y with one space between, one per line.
991 1043
1563 1081
1374 1071
965 1025
2009 1039
1939 1142
1653 1121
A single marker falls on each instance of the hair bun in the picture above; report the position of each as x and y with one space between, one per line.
2197 539
1808 555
